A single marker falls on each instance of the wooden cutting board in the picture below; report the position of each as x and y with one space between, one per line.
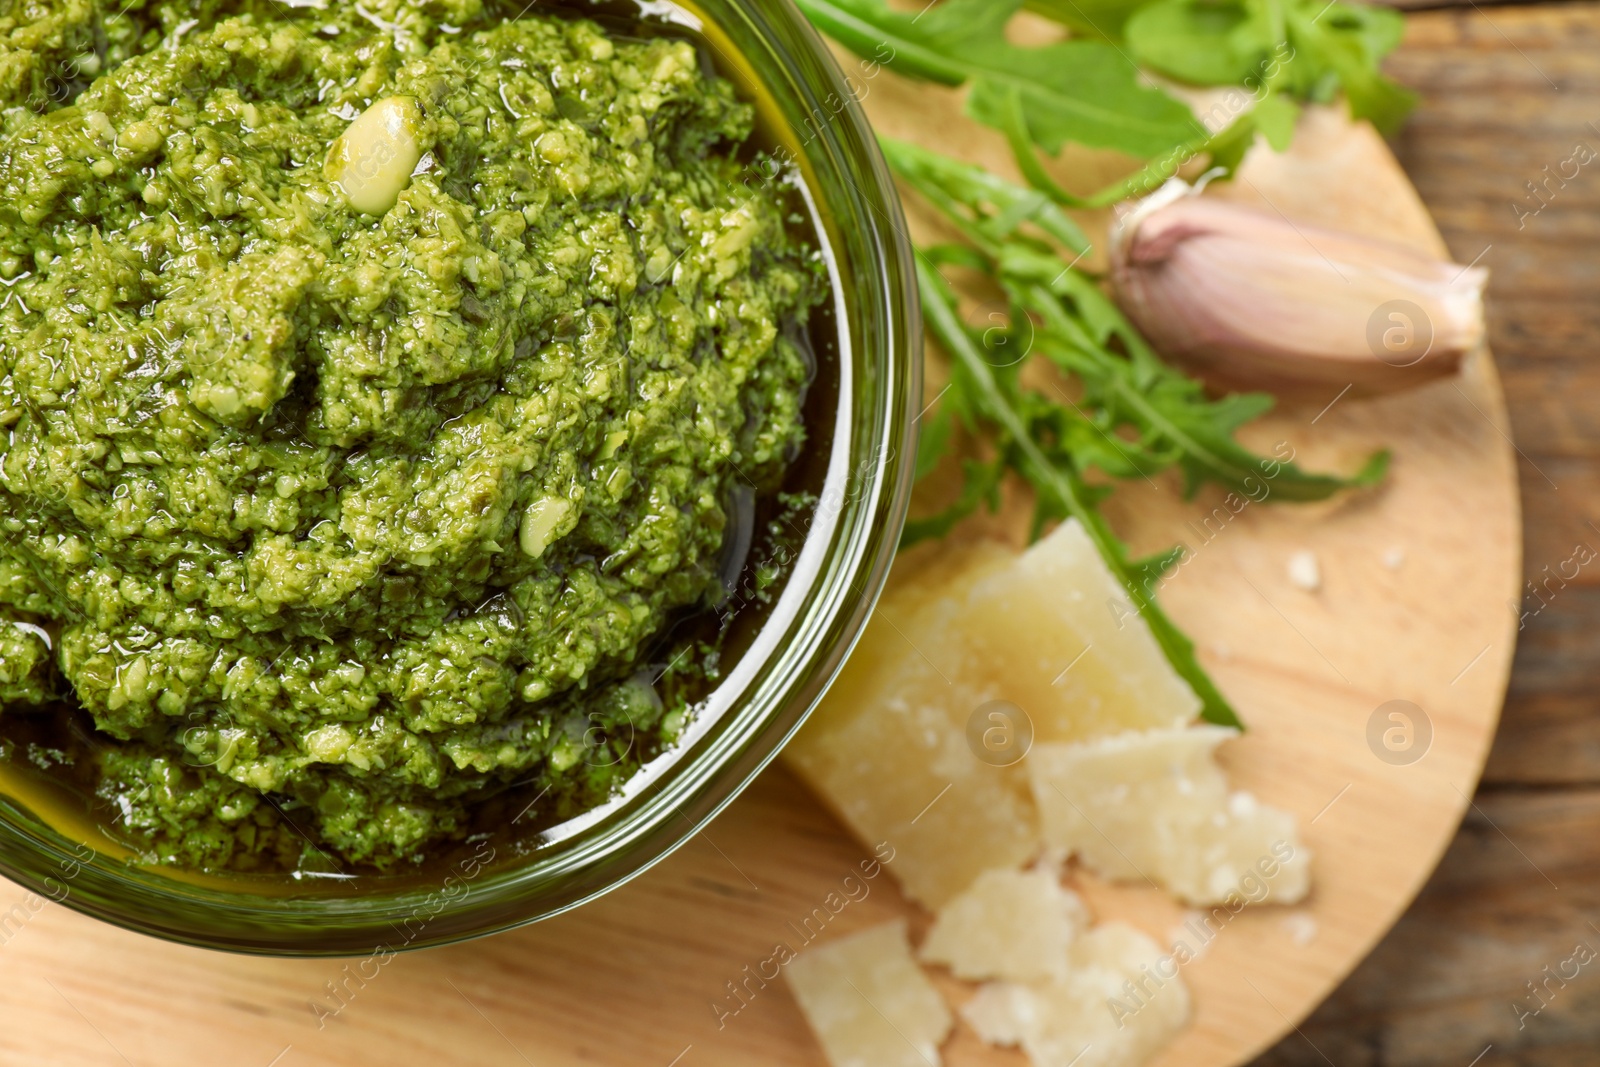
1418 583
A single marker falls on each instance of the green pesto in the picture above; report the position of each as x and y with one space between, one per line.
335 523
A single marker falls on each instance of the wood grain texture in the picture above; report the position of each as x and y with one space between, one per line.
635 978
1507 91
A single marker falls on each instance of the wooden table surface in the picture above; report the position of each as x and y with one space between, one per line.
1511 95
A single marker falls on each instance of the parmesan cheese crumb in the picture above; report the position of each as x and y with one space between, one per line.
1304 571
868 1002
1017 925
1120 1003
1302 928
1156 807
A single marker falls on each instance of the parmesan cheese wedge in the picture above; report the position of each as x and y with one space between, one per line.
887 748
1119 1004
868 1002
1059 632
1155 806
1017 925
1049 631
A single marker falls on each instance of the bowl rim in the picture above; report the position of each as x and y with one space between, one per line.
708 774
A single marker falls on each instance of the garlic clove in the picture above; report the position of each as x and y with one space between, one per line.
1246 298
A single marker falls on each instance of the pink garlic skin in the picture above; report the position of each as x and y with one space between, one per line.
1247 299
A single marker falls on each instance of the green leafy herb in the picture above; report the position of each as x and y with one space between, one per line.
1072 323
1133 416
980 485
1060 487
1089 89
1088 18
1123 413
1085 92
1307 49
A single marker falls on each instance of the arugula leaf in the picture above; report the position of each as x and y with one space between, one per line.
933 441
1345 43
981 485
1177 425
1094 18
1130 415
1169 410
924 45
1085 92
1378 28
1080 92
1201 42
1088 90
1275 116
1305 48
1083 333
1080 330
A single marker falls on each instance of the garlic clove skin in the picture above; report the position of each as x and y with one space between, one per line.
1249 299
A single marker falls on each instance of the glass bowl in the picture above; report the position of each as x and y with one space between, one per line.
808 104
